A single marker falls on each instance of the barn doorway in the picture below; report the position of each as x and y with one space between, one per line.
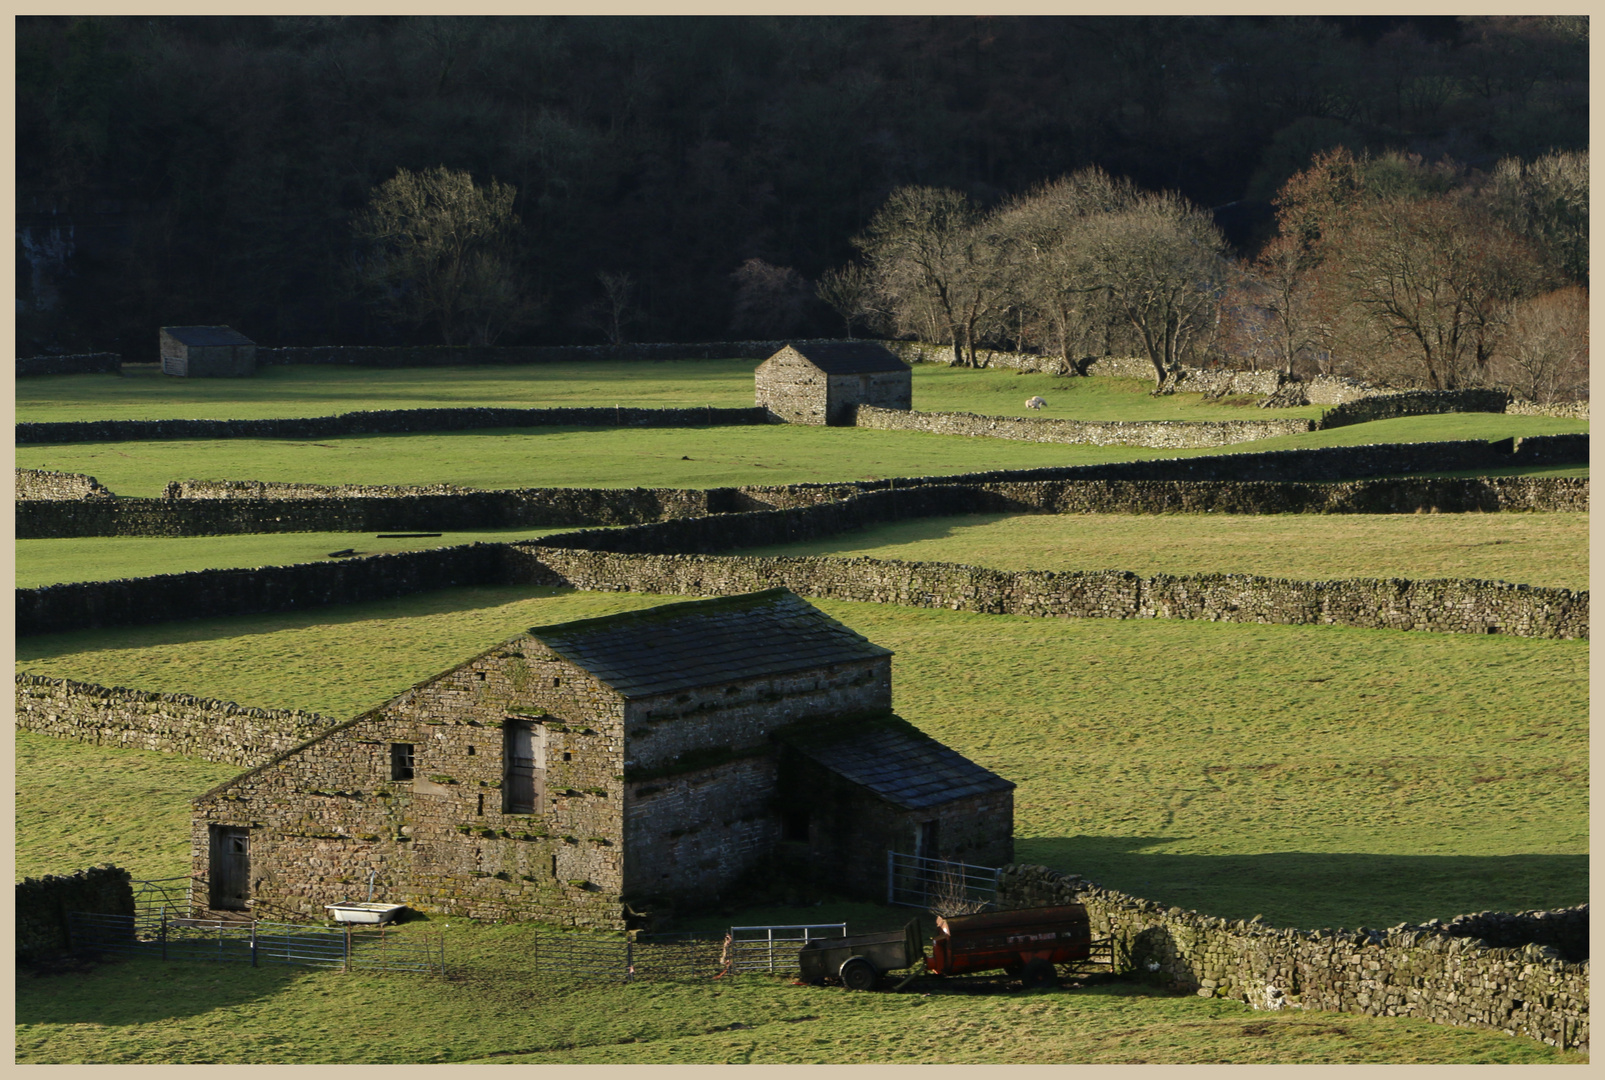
231 868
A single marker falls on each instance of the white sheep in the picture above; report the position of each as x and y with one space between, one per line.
1034 403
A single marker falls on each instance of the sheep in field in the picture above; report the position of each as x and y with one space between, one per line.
1034 403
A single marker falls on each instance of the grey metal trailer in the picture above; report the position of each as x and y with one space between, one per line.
860 961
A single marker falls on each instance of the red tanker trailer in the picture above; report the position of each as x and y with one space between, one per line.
1024 943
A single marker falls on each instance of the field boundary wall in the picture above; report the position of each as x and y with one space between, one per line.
1392 405
1570 410
1152 433
44 484
76 364
1445 973
194 727
380 422
43 904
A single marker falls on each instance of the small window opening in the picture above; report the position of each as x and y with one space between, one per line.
794 825
470 751
556 682
482 806
401 761
567 756
480 675
554 865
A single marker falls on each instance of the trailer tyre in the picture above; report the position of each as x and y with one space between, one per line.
859 974
1039 975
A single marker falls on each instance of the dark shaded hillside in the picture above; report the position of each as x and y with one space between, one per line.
177 170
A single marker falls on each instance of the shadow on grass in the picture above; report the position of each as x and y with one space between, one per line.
1309 890
128 991
448 601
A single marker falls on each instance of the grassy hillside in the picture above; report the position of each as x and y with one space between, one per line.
318 390
1315 775
666 457
1532 549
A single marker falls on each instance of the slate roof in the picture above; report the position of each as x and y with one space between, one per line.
850 357
901 764
676 647
207 335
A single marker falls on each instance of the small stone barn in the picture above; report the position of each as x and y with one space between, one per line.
206 352
822 383
641 760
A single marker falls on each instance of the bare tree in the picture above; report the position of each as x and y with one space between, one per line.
771 301
850 292
1274 317
1163 266
1543 355
615 311
1546 201
919 246
441 253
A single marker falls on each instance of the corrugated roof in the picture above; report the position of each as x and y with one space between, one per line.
207 335
900 763
706 642
850 357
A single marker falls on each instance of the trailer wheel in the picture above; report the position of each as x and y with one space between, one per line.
1038 975
859 974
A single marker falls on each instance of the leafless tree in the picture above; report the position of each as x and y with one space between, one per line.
850 292
920 246
770 301
615 311
1543 354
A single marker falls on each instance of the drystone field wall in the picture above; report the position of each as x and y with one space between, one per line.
1570 410
1390 406
1430 972
404 356
77 364
43 484
379 422
1443 606
195 727
1168 434
43 903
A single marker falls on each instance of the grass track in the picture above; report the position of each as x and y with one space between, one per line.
1532 549
1315 775
103 558
318 390
658 457
496 1010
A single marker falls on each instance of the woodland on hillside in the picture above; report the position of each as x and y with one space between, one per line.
698 178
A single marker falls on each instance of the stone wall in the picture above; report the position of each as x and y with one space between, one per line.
1442 606
379 422
1571 410
76 364
400 356
195 727
1157 433
43 904
1426 972
1412 403
43 484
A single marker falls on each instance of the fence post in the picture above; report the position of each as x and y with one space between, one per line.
253 943
345 965
891 875
629 959
164 933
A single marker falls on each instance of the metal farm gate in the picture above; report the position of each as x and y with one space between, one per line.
582 954
379 949
940 885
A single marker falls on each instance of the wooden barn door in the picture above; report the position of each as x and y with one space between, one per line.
231 868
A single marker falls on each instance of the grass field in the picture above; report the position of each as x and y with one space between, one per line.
103 558
1316 775
666 457
1531 549
496 1010
317 390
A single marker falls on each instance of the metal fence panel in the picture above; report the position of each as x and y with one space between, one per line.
941 886
773 949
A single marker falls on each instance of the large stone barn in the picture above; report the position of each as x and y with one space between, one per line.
823 383
646 759
206 352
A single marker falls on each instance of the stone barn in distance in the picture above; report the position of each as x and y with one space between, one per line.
823 383
639 760
199 352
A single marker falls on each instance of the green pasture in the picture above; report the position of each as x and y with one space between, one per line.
497 1009
319 390
104 558
666 457
1531 549
1320 776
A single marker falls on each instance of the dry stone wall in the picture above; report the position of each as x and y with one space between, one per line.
1571 410
195 727
1155 433
1212 381
76 364
379 422
1412 403
1443 606
43 484
43 904
388 356
1431 972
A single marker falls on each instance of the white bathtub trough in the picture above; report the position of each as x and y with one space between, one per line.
353 912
